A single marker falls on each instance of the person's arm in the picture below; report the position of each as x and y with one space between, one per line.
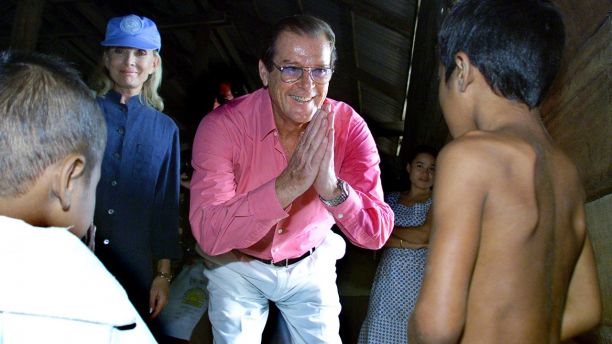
165 237
411 237
160 287
364 217
221 218
440 312
583 305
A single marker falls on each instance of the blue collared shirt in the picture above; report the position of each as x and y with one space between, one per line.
138 194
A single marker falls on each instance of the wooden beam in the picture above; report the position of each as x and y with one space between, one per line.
84 54
257 11
379 16
92 13
26 26
235 57
352 63
582 20
211 22
85 50
200 56
162 28
424 120
300 5
6 6
375 82
395 128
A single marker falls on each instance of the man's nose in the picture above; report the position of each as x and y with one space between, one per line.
306 80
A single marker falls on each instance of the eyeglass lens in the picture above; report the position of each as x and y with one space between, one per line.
318 75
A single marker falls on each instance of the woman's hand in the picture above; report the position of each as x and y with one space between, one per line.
158 296
160 288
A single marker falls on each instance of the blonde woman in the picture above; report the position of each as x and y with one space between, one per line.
137 197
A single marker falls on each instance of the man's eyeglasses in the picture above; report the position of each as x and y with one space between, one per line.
291 74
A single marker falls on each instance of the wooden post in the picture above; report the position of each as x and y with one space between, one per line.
424 123
26 25
200 57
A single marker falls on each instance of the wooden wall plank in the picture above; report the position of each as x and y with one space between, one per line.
424 123
582 19
578 113
26 24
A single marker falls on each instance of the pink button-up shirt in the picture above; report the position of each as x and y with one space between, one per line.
237 156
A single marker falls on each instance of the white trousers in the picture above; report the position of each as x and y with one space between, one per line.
306 294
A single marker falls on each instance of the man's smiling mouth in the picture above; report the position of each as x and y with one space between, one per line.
302 99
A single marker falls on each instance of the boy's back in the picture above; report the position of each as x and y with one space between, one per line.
531 234
510 260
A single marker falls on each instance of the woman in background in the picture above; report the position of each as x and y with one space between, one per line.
400 272
137 197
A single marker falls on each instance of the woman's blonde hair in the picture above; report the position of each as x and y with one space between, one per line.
101 83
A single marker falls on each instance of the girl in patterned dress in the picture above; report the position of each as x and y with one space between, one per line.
400 272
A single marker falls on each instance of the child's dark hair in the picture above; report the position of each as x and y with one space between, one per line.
46 113
517 45
421 149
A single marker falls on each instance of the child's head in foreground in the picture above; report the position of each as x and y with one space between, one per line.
52 137
517 45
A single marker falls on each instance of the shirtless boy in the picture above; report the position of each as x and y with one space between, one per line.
510 260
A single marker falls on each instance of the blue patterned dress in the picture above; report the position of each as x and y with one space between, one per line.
397 281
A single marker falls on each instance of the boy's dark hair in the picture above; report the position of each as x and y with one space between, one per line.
304 25
46 113
517 45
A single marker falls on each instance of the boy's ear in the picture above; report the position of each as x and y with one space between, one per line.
464 69
68 171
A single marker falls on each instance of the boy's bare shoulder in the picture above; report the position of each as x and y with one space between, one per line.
483 150
489 161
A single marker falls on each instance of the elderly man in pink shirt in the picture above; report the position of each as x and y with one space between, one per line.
273 171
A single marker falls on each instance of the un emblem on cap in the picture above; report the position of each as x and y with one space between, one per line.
131 24
132 31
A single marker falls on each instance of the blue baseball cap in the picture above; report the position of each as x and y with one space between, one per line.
132 31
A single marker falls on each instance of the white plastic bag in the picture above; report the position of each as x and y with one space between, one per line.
187 302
